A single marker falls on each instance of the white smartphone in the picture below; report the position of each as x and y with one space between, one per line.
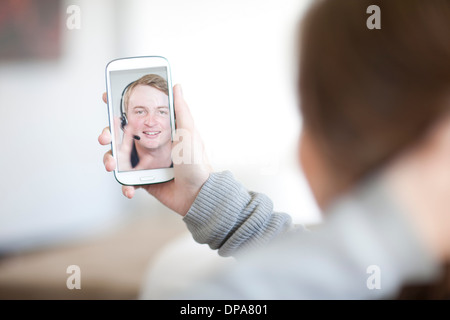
141 119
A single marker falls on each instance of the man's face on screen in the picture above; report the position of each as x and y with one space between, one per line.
149 117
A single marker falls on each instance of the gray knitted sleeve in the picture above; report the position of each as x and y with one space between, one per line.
228 217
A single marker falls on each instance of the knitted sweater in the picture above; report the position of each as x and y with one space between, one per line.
365 249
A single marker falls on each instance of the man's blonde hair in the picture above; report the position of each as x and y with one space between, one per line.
152 80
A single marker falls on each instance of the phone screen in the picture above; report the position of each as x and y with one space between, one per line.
142 118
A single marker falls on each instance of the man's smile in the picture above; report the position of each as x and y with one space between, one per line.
151 134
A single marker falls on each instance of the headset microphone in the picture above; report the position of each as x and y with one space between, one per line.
123 116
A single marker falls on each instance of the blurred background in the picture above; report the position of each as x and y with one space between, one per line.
236 61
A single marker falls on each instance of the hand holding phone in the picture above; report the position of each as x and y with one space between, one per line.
177 194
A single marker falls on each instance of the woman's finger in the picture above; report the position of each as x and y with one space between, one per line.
128 191
127 142
105 137
109 162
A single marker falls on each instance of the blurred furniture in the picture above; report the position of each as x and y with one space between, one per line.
113 265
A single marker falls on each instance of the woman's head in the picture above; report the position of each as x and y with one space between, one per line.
368 94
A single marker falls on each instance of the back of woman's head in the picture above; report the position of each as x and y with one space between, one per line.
366 94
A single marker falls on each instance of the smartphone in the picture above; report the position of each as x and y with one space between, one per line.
141 119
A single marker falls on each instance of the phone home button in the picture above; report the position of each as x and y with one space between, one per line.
147 178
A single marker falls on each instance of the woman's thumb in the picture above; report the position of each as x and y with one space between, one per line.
182 113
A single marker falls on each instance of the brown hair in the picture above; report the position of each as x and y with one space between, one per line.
367 94
152 80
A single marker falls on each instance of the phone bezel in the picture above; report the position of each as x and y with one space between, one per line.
138 177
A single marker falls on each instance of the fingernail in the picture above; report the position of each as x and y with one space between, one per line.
181 89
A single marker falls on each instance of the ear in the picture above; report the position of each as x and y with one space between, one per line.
306 154
312 164
299 149
440 137
437 152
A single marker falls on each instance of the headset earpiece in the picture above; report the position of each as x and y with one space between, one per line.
123 116
123 121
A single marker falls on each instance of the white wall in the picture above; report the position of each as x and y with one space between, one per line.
53 186
235 61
